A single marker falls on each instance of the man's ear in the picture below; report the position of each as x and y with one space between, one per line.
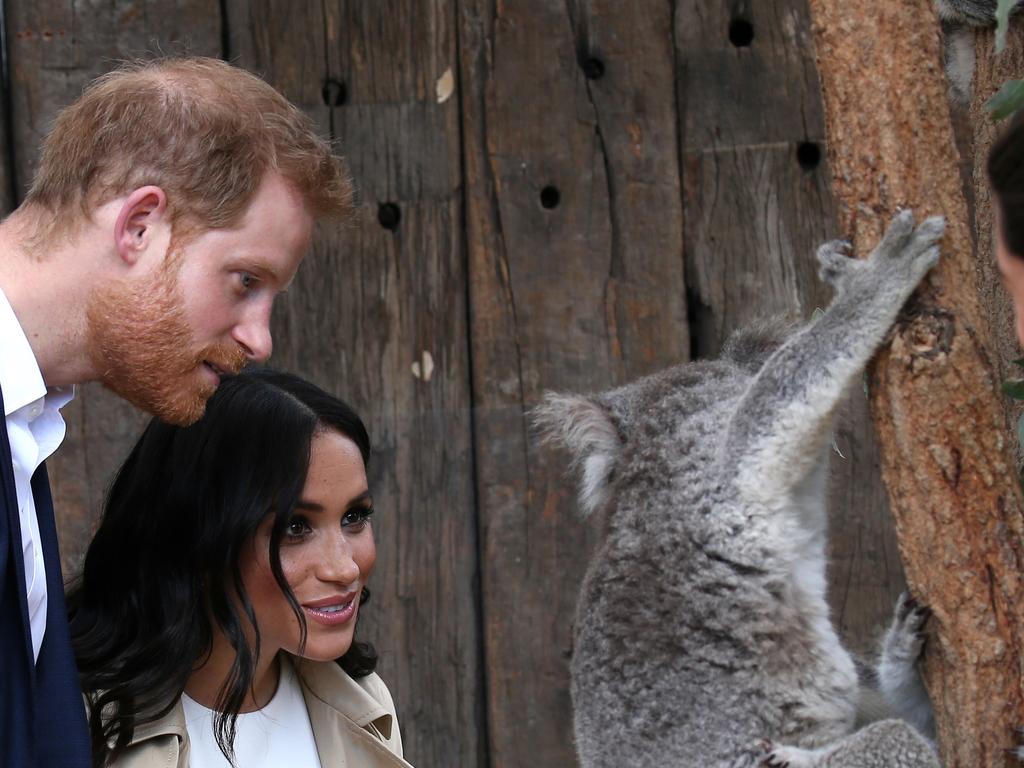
138 221
586 429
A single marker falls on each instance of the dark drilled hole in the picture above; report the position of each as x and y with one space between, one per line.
389 215
808 154
334 92
741 33
593 68
550 197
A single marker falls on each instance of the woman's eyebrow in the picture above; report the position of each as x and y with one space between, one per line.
364 496
312 506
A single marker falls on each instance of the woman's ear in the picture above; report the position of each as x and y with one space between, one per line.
141 217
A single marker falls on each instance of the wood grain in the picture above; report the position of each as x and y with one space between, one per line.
368 305
579 296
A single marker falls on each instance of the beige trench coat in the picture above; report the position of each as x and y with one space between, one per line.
354 724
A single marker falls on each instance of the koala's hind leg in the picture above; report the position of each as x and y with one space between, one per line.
899 678
885 744
784 417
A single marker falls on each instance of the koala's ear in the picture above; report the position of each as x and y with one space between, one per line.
586 429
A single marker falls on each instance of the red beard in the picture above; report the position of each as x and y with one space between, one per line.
141 347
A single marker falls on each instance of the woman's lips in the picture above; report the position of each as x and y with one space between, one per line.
332 611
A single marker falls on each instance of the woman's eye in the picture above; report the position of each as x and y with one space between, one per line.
356 519
296 528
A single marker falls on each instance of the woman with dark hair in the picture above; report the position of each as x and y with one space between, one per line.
1006 177
214 620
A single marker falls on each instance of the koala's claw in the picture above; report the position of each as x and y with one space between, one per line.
911 613
906 637
836 260
786 757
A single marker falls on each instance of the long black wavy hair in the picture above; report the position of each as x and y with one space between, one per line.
162 573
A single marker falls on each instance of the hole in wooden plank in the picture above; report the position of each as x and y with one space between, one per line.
550 197
593 68
334 92
808 154
741 33
389 215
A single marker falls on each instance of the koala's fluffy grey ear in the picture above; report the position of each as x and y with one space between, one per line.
586 429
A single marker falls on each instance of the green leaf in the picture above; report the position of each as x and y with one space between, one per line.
1019 361
1014 389
1009 99
1003 22
1020 430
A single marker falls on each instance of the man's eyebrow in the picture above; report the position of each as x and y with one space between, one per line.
260 265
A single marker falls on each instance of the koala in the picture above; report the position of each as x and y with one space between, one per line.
702 632
977 13
958 17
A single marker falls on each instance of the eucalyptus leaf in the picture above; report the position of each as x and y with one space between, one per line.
1003 22
1014 389
1007 101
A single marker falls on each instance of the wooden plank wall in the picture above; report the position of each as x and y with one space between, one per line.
554 194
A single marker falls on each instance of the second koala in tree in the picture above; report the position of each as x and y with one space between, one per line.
703 634
958 16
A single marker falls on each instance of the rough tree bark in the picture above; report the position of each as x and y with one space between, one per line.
947 460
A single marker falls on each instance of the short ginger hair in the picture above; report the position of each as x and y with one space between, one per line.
204 131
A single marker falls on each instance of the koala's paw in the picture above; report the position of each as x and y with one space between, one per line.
906 252
836 260
905 639
787 757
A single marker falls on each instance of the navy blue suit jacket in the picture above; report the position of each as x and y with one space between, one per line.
42 717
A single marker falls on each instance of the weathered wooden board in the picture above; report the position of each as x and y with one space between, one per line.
371 303
576 283
757 204
55 48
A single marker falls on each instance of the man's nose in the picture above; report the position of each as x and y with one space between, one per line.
253 336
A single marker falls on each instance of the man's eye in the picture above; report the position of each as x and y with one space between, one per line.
246 280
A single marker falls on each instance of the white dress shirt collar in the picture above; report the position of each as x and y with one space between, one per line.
20 378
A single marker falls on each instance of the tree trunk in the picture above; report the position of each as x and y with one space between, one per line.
947 460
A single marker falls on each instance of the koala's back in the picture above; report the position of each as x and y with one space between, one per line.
690 640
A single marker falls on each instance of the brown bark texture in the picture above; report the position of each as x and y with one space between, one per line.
947 460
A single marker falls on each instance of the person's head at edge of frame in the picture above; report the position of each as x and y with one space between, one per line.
256 540
173 201
1006 178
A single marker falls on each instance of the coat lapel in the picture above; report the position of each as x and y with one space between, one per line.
340 713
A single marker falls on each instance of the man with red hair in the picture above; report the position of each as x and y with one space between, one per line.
174 200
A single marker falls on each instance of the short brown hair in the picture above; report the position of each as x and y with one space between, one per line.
204 131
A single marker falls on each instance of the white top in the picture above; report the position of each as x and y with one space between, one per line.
35 428
277 736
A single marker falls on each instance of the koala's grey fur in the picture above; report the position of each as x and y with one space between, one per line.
958 17
703 635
